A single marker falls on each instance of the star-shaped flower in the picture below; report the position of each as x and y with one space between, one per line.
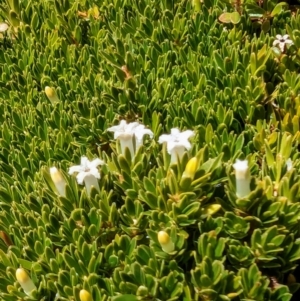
126 132
86 168
282 41
177 143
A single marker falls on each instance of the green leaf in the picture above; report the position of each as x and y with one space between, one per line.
225 18
235 17
14 19
278 8
125 298
266 26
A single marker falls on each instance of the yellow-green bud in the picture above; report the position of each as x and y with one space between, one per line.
142 291
85 296
51 94
165 241
191 168
232 295
25 281
210 210
58 180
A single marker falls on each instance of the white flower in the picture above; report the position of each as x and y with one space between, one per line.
3 27
86 168
126 132
242 176
177 143
87 173
124 129
281 41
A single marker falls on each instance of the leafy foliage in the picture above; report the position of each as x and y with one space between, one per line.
165 64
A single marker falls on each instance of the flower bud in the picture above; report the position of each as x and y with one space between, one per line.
165 241
291 279
25 281
242 176
51 94
232 295
191 168
142 291
58 180
210 210
85 296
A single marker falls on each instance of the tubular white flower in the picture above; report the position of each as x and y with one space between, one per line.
87 173
177 143
25 281
58 181
126 132
165 241
242 176
282 41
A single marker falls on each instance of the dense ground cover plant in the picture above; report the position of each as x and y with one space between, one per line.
149 150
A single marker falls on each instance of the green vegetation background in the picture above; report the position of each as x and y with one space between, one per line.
166 64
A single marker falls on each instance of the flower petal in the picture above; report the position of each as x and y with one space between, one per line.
131 127
164 138
175 132
84 162
141 132
285 37
95 172
80 177
279 37
76 168
171 146
289 42
96 162
120 127
281 46
187 134
276 42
